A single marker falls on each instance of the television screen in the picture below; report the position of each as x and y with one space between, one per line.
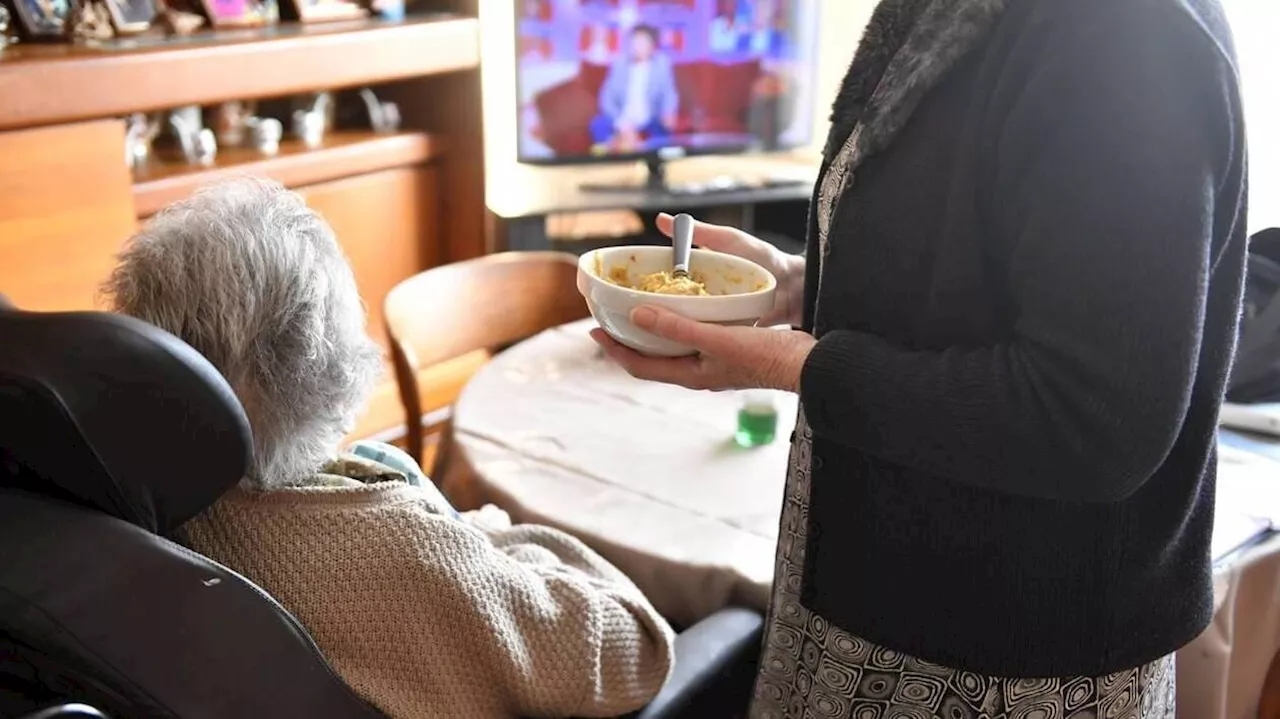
603 79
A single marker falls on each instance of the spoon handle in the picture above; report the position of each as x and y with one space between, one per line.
682 243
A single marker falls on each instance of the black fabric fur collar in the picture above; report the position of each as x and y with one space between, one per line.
907 47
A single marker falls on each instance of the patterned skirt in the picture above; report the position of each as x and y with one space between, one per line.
810 669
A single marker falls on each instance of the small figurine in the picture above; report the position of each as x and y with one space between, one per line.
384 117
179 22
177 17
311 124
199 146
323 105
4 26
230 120
308 126
140 132
90 21
206 147
265 134
189 117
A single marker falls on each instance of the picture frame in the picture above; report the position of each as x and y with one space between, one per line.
322 10
132 16
240 13
41 20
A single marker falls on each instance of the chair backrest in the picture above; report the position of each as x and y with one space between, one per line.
110 431
109 412
1269 702
482 304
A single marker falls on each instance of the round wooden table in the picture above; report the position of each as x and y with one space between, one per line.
646 474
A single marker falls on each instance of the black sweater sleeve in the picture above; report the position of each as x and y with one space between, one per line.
1112 158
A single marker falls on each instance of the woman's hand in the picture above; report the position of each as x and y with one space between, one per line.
788 269
728 357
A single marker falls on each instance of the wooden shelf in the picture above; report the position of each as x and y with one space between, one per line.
168 179
44 84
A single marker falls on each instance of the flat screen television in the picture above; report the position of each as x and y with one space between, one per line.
610 80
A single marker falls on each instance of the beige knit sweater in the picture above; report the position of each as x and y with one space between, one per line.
426 615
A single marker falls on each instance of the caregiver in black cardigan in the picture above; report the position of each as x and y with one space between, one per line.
1018 309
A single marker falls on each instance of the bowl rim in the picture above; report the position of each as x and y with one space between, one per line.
587 259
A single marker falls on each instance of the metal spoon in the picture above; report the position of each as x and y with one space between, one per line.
682 245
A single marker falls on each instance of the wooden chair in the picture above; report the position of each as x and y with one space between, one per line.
1269 705
485 304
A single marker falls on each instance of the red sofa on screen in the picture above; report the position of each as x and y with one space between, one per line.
714 97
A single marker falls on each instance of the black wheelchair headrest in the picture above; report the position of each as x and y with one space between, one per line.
115 414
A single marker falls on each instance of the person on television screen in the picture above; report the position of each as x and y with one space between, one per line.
724 34
763 36
639 99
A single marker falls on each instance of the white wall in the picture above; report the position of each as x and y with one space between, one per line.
842 22
1256 24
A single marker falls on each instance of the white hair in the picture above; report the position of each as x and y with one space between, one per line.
254 280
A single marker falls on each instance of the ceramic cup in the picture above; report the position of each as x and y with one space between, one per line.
265 134
309 127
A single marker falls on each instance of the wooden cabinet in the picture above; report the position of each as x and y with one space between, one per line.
388 224
52 83
66 206
400 203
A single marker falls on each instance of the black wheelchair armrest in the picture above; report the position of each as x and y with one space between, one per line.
714 666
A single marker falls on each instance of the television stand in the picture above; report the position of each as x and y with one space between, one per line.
522 198
655 181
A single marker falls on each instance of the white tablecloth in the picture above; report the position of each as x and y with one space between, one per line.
648 475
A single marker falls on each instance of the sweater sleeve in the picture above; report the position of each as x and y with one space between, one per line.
585 641
1105 196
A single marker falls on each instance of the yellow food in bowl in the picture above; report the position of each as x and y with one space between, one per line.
664 283
660 283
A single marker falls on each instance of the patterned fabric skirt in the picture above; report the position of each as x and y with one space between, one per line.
810 669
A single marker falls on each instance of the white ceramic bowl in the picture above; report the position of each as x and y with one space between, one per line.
741 291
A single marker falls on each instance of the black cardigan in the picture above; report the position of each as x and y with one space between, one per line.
1025 324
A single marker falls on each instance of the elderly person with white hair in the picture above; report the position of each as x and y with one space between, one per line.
424 612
